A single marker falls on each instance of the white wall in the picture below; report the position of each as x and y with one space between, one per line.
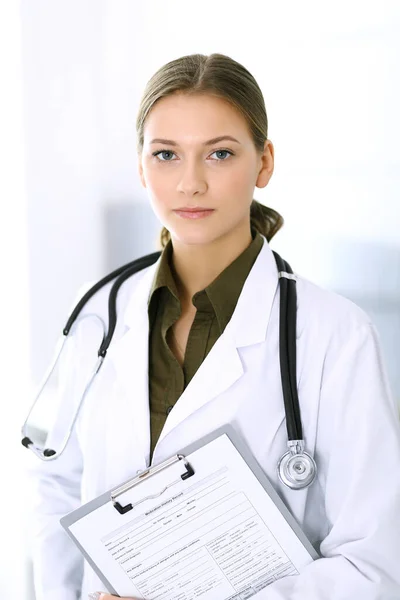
14 336
329 73
62 50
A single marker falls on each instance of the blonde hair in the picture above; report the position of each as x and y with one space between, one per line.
223 77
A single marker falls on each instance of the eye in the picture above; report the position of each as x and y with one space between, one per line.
166 155
163 153
223 153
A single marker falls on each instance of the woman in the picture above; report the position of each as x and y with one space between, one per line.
196 346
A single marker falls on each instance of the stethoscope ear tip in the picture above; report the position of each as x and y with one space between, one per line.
26 442
48 452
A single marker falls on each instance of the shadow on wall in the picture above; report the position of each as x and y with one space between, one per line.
130 231
369 275
366 273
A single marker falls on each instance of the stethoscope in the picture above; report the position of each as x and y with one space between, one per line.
296 468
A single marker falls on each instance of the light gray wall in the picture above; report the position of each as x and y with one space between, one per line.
14 347
329 72
329 75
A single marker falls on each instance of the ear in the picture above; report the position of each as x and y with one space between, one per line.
140 169
266 166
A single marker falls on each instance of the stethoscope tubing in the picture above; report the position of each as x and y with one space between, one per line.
287 349
287 360
120 275
48 453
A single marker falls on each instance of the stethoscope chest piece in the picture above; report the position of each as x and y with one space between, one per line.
296 468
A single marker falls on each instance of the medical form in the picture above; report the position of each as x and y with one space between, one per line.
219 534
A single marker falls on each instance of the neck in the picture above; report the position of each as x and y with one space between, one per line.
195 266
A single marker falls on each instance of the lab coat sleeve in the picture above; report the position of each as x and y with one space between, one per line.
360 556
57 563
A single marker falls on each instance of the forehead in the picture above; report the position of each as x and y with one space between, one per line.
194 116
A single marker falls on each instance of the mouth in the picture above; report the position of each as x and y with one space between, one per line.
193 212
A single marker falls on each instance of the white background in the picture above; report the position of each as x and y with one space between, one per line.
71 203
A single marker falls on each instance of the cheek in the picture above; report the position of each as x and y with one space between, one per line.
159 186
235 181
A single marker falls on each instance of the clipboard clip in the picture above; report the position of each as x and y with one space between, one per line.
145 475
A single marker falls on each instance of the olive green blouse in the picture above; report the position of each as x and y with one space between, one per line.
215 306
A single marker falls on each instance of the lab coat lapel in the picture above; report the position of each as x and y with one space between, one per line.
248 325
251 317
221 368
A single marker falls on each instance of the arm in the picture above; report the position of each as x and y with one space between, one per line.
360 472
57 563
361 477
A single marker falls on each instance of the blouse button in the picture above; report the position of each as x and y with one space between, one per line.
169 409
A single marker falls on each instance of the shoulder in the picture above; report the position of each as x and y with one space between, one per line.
319 310
327 307
337 341
328 320
98 302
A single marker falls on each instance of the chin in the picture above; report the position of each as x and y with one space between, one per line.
196 236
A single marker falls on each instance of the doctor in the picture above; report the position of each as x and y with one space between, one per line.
196 346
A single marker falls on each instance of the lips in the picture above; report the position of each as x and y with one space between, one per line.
192 209
196 212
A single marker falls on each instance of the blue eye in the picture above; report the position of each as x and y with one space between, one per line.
162 152
224 152
166 155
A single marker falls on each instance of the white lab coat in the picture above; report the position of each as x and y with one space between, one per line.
351 513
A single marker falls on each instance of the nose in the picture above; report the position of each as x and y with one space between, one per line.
192 180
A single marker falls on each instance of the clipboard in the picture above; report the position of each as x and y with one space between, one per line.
129 557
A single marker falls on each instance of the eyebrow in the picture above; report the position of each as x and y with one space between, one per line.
208 143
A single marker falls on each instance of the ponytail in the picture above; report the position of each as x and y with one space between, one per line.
265 220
